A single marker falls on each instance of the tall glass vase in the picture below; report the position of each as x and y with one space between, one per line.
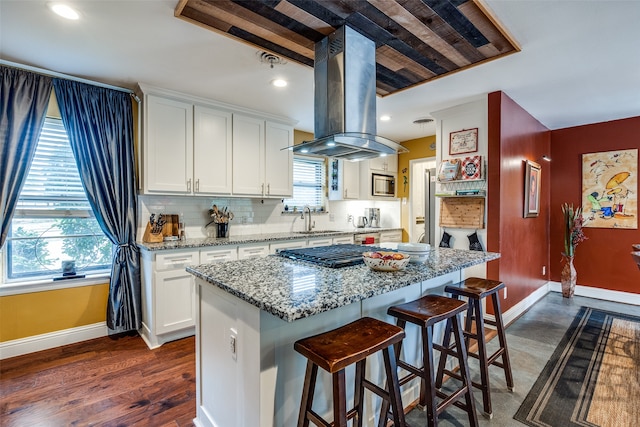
568 278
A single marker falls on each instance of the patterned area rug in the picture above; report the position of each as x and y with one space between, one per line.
592 378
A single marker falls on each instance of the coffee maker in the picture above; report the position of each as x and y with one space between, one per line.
373 217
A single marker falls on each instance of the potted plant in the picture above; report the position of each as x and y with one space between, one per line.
572 236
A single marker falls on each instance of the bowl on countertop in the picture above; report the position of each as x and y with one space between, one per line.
386 261
419 252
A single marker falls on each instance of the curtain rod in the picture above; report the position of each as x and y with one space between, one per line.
67 77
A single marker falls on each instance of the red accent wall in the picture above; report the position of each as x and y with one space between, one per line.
515 136
603 261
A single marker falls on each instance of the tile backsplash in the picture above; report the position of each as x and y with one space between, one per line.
256 216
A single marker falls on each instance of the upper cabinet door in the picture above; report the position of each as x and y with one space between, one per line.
248 156
278 162
212 151
168 145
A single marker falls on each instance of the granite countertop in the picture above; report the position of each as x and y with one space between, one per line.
254 238
294 290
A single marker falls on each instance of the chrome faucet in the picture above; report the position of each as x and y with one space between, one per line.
310 225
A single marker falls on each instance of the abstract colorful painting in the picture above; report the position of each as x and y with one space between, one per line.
610 189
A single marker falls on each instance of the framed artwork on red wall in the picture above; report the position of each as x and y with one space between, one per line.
610 189
532 189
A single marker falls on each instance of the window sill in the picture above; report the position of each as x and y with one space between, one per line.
27 287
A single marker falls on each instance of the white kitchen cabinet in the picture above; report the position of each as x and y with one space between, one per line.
387 163
391 236
253 251
343 240
187 148
212 151
248 155
168 145
326 241
278 162
226 253
289 244
260 166
195 146
168 299
344 180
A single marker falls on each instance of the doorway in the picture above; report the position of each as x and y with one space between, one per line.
422 200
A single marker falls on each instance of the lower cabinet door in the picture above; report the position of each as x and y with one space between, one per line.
175 301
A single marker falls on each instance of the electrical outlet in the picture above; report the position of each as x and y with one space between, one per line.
332 218
349 218
505 292
544 270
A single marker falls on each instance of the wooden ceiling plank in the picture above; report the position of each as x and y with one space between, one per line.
489 26
442 28
242 18
391 32
204 20
454 18
409 21
304 17
397 61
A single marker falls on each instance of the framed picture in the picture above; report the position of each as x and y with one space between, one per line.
531 189
463 141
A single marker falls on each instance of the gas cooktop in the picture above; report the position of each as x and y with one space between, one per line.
335 256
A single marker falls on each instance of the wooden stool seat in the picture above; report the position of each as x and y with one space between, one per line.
425 312
333 351
475 289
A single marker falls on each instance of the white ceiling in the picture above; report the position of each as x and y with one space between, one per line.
579 64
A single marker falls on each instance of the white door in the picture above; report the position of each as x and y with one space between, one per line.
168 155
278 161
212 151
248 155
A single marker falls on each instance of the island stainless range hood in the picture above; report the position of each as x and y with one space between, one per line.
345 100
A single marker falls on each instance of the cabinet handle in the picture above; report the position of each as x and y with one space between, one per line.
189 185
197 185
262 190
268 188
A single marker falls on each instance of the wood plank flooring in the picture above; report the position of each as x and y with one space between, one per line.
110 381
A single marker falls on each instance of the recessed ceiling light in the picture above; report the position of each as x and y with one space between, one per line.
385 118
64 10
279 82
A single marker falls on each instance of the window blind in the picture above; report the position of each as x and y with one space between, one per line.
308 179
53 182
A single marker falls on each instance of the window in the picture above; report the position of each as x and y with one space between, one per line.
308 184
53 221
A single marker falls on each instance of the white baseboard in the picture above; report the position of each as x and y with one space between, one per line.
51 340
517 310
599 293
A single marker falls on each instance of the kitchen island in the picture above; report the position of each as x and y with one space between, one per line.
250 312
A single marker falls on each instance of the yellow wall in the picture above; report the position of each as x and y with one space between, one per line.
36 313
419 148
300 136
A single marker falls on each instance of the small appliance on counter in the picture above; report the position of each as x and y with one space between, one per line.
373 217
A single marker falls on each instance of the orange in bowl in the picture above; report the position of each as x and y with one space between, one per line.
385 261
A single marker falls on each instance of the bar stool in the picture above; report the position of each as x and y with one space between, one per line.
333 351
475 290
425 312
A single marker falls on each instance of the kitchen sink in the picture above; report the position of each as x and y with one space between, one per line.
317 232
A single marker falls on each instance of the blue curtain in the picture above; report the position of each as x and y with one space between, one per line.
99 122
24 98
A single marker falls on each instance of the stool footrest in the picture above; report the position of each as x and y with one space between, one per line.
453 398
491 360
316 419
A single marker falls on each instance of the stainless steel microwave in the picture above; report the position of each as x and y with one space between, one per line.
383 185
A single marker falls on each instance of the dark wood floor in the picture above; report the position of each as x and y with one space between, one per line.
111 381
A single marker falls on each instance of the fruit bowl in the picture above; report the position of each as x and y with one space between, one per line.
385 261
